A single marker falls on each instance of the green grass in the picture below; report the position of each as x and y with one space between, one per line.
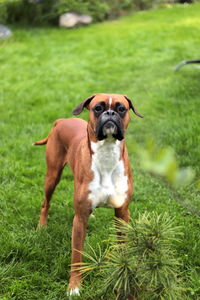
45 72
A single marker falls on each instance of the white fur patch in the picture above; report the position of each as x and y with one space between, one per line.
109 185
110 102
73 292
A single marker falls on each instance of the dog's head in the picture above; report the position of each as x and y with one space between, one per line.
109 114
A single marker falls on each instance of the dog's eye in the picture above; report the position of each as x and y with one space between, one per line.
121 109
98 108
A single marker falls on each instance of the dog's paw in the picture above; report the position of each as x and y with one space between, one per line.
92 216
73 290
72 293
41 227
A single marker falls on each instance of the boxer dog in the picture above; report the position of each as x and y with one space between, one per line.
98 157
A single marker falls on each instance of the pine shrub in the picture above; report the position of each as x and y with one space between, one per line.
142 263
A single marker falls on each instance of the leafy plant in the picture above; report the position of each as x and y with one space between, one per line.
163 162
141 262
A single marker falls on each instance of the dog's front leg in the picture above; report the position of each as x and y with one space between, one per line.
78 237
123 214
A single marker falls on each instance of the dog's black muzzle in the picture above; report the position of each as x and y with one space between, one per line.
109 124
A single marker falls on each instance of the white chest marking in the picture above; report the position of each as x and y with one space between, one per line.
109 185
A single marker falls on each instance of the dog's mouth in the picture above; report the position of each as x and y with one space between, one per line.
109 129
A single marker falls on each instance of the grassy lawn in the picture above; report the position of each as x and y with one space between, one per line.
45 73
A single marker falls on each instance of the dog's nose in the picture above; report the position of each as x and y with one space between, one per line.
110 112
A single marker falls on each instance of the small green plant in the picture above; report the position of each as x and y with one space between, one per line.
163 162
142 262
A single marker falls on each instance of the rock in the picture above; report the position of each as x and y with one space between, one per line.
70 20
85 19
4 32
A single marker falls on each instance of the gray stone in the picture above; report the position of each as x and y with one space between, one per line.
70 20
85 19
4 32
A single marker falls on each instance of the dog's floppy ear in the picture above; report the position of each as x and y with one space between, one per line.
132 107
81 106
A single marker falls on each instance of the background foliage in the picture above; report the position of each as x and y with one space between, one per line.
43 12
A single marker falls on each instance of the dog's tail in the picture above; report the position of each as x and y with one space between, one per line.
44 141
41 142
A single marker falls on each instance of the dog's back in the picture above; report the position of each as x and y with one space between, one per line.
66 130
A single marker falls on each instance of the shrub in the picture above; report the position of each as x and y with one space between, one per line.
48 11
146 266
40 12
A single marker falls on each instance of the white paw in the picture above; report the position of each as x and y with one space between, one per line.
73 292
92 216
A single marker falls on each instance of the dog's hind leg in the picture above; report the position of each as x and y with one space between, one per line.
55 158
51 181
